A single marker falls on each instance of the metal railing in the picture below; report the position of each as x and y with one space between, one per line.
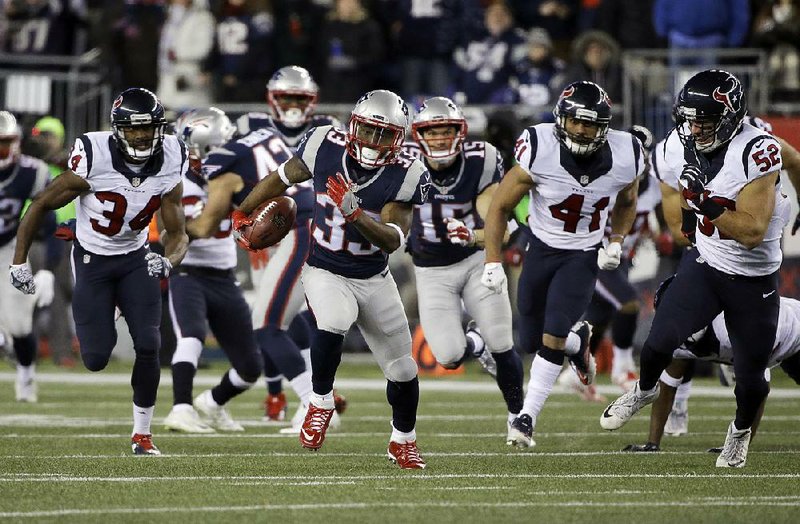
70 88
651 79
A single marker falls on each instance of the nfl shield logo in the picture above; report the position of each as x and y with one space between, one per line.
584 180
135 181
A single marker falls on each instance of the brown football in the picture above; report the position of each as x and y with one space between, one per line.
272 221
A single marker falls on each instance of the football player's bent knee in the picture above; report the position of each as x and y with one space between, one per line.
402 369
751 384
498 338
95 361
249 367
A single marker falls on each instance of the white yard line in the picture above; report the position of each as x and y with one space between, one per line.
366 384
722 501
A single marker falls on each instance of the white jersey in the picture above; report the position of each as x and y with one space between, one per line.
787 337
113 218
219 251
749 155
570 203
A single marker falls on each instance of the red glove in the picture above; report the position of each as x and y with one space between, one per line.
339 191
665 244
240 220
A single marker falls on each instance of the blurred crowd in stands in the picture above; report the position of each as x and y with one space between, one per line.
195 52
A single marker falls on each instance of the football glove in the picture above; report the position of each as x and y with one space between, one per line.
44 281
240 220
458 232
158 266
22 278
340 192
609 257
494 277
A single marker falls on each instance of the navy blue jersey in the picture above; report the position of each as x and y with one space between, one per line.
252 157
18 183
241 44
453 194
337 246
251 121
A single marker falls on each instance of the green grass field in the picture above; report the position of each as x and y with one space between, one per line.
67 459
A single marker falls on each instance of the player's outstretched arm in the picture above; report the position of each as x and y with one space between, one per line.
177 241
515 185
65 188
749 222
624 212
220 193
293 171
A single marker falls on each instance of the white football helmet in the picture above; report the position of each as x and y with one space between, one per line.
377 128
204 129
292 95
10 138
439 112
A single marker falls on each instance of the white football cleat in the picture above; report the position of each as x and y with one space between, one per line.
213 414
625 407
26 391
734 452
183 418
678 421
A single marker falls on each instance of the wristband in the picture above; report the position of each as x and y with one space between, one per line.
399 233
616 235
282 174
711 208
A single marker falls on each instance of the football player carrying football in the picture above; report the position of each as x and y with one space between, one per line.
365 191
120 178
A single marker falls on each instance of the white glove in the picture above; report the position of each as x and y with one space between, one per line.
22 278
494 277
608 257
459 233
158 266
45 284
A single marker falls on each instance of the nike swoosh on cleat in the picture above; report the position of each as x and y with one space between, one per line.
306 435
605 413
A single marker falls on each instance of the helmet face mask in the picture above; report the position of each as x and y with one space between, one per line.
138 122
377 129
10 139
710 110
292 95
581 107
440 129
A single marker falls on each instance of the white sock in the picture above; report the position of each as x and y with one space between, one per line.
26 374
682 393
512 416
543 375
477 342
301 384
141 419
573 344
401 437
306 353
321 401
623 359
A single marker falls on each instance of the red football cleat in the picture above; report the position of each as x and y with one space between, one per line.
312 433
406 456
143 445
275 407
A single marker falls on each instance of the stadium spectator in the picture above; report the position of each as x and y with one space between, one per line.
558 17
132 45
244 47
350 49
45 27
297 24
425 61
595 57
484 65
186 41
629 22
532 81
701 25
777 28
